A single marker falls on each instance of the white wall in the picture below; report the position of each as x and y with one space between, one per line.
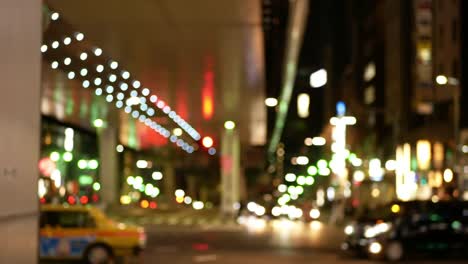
20 39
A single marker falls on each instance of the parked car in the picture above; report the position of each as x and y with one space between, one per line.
85 232
400 229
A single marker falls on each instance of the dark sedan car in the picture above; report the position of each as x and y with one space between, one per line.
400 229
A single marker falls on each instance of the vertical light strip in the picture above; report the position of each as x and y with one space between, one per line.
303 102
297 19
207 96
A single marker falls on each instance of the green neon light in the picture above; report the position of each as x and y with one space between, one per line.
85 180
96 186
93 164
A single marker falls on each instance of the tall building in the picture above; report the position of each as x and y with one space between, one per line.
402 83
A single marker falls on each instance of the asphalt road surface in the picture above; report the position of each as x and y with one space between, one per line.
182 240
253 242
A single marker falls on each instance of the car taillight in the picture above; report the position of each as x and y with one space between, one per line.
142 237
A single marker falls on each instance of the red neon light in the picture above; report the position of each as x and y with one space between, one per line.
71 200
84 199
208 95
149 138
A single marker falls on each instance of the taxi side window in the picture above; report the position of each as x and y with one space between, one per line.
67 220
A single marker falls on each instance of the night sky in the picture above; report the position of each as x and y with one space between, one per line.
326 26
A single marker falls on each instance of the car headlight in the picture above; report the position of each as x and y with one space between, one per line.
349 230
375 248
376 230
314 213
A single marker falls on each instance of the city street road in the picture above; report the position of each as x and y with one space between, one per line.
254 242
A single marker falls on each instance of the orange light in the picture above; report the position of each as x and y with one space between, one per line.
208 95
207 107
207 142
153 205
84 199
144 204
179 199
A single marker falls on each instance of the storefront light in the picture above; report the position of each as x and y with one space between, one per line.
42 190
448 175
303 102
82 164
358 176
119 148
423 154
324 171
299 190
302 160
301 180
130 180
96 186
309 180
179 193
438 158
67 156
390 165
142 164
93 164
125 199
321 164
375 192
54 156
85 180
290 177
56 176
157 175
312 170
465 149
98 123
375 170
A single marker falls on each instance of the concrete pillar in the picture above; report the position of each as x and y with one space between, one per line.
169 181
108 168
20 68
230 171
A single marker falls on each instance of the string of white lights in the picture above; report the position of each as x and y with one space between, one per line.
137 97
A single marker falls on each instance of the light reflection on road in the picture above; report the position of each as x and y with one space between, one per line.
289 233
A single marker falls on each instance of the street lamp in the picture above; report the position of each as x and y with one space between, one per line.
229 125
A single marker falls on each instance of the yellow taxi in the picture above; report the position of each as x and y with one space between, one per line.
85 232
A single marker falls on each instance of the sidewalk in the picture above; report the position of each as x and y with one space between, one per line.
206 218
